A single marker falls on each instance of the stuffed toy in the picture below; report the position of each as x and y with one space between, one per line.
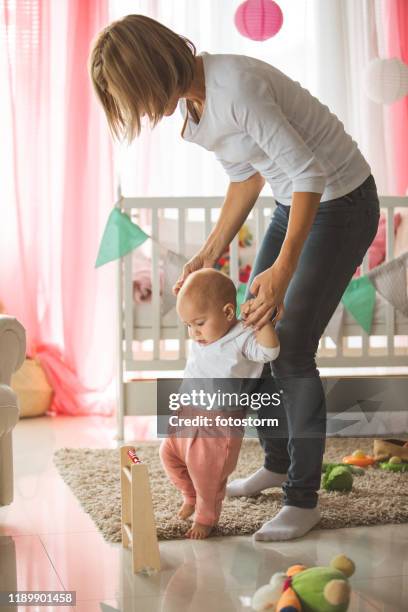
384 449
245 239
301 589
395 464
359 458
357 471
245 236
337 478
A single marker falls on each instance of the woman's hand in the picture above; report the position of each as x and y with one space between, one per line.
200 260
270 286
269 289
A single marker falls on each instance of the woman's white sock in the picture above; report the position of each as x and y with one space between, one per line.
290 522
255 483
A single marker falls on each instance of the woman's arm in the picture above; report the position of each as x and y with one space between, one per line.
270 286
302 213
239 201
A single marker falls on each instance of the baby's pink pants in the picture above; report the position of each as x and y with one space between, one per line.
199 466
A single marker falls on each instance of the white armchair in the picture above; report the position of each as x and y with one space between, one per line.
12 354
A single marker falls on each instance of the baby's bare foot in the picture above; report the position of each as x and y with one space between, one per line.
198 531
185 511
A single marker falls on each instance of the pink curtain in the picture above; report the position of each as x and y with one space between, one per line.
56 193
397 46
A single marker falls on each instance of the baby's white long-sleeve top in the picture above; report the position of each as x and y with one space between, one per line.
235 355
257 119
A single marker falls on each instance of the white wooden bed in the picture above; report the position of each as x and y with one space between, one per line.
150 346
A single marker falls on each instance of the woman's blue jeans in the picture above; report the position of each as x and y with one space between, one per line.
341 233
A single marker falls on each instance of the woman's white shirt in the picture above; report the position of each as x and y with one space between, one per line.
257 119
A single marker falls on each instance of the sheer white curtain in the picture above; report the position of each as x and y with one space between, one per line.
323 45
348 35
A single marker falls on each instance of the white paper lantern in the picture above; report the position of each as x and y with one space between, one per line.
386 80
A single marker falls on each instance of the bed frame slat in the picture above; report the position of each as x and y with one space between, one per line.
389 253
155 278
181 244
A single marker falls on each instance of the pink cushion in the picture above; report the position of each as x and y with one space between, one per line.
376 252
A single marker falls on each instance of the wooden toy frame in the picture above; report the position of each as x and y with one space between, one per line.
137 517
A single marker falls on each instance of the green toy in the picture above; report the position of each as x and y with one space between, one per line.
337 478
357 471
313 587
301 589
394 467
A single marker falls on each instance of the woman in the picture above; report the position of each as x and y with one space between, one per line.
261 126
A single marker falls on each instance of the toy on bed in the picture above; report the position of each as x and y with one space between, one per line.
377 250
245 239
301 589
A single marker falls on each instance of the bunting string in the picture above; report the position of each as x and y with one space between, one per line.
122 235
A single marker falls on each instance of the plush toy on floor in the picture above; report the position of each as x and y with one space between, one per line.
395 464
360 459
385 449
357 471
314 589
337 478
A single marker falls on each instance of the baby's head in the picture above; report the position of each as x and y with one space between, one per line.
206 303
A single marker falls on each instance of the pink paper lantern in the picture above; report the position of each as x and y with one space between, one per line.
258 19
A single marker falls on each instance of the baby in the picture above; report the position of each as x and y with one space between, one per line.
222 348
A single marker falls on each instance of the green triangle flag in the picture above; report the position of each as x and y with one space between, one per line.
240 297
120 237
359 299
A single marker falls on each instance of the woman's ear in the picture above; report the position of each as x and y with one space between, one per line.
229 311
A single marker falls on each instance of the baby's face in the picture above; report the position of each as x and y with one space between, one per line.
206 325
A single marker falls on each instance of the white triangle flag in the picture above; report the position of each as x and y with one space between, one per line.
172 267
334 326
390 280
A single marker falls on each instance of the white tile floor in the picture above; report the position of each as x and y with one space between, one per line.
47 542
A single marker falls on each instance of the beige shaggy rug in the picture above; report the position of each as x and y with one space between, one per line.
377 497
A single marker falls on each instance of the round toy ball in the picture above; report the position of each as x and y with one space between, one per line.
386 80
343 564
395 460
258 19
358 454
266 597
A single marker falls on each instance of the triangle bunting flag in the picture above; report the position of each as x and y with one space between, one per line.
121 236
359 299
390 280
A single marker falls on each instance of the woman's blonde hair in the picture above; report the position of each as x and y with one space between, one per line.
137 65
